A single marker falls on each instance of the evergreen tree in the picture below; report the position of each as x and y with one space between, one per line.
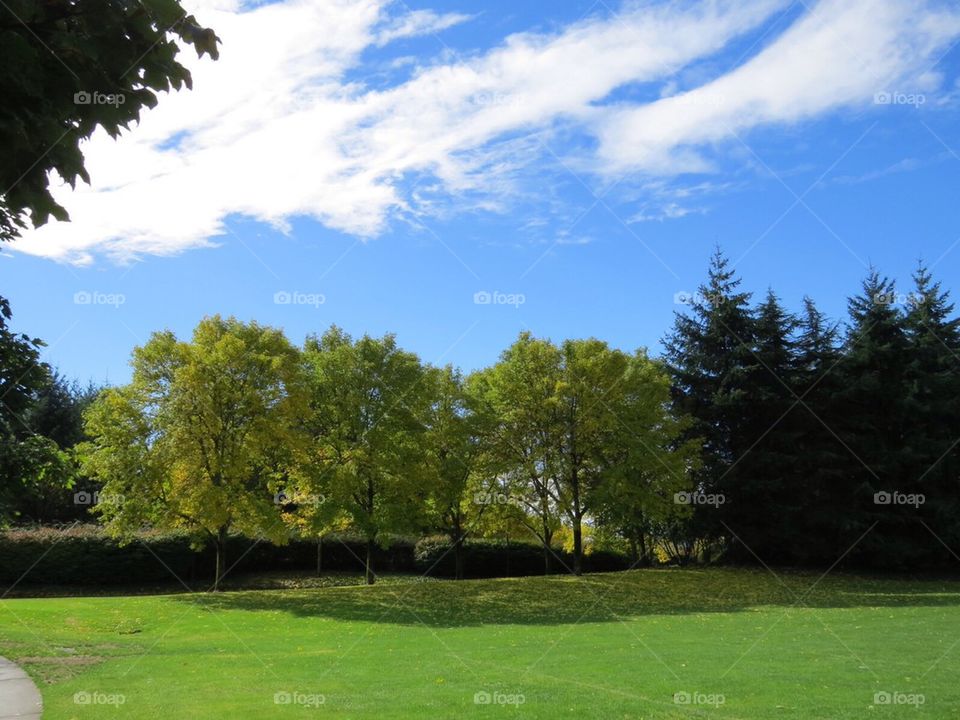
820 526
58 411
764 501
22 378
710 357
931 451
55 423
871 422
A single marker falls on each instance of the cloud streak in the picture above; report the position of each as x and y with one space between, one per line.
285 126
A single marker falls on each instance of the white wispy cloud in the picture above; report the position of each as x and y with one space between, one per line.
841 53
667 211
284 125
908 164
418 23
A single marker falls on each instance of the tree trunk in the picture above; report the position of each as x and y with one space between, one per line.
506 543
458 556
371 493
319 554
369 568
221 545
577 512
547 551
577 547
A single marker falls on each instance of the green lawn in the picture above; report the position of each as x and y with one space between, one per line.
619 645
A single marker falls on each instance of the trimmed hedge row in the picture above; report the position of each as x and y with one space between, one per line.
85 555
483 558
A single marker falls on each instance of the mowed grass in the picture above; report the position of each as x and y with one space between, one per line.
620 645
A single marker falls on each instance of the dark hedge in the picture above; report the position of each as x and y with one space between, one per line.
84 555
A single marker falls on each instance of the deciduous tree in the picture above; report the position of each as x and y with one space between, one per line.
203 437
370 403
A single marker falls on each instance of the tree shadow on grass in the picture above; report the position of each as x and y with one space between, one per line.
608 597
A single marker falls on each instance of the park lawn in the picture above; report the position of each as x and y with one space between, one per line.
618 645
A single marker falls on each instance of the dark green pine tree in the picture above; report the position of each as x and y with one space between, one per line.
709 354
763 504
871 422
932 448
821 533
58 410
22 377
57 415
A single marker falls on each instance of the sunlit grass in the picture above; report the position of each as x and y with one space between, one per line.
619 645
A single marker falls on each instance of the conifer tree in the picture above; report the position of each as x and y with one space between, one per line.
820 528
710 357
932 450
871 422
764 501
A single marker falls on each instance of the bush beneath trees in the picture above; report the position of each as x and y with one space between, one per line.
485 558
85 555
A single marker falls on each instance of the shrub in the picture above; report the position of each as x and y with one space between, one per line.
501 558
85 555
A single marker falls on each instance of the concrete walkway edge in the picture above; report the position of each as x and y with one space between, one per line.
19 697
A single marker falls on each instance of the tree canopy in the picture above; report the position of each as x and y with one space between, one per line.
762 435
68 67
204 436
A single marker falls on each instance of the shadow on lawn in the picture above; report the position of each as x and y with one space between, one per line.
591 598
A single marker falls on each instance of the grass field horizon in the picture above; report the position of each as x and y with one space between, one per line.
655 643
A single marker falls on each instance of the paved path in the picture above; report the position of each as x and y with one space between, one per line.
19 697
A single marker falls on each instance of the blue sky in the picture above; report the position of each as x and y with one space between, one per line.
379 164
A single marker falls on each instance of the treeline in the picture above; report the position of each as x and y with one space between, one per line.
823 443
236 431
760 436
41 420
239 431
